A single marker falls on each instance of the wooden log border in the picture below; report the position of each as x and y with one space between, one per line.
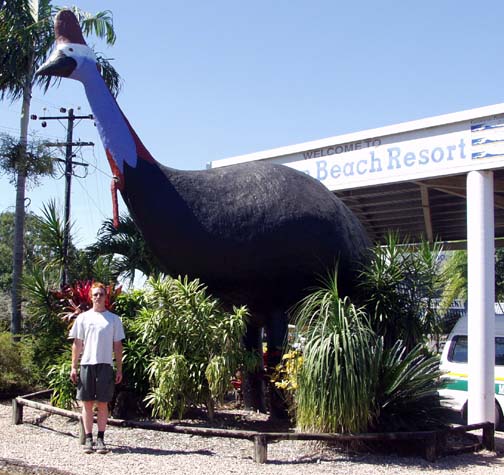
433 441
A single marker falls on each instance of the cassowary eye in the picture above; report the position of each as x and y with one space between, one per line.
70 49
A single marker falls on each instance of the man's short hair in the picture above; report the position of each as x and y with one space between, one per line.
97 285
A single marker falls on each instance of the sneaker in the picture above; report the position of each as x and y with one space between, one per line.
100 447
88 446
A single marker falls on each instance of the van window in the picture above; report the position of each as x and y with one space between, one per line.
458 350
499 351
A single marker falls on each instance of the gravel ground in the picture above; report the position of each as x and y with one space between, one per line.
52 448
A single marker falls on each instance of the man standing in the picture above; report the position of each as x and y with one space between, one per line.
96 334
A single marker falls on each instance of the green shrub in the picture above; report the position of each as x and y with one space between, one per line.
64 390
136 358
17 371
349 380
136 355
406 389
43 320
191 345
400 285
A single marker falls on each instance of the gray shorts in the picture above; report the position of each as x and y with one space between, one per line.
96 383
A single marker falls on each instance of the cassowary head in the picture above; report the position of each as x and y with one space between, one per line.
73 59
72 55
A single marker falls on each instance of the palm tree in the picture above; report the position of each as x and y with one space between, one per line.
80 263
455 269
26 39
127 242
456 281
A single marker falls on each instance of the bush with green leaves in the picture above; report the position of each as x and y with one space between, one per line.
17 370
350 381
43 320
136 358
64 390
406 389
135 353
401 285
192 346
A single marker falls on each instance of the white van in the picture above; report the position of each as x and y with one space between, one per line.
454 364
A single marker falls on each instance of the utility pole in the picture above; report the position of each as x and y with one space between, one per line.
69 144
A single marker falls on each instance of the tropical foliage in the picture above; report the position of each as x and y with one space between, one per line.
76 297
455 271
455 287
136 354
369 368
125 248
334 381
47 252
402 285
4 311
43 320
64 391
194 346
26 40
38 159
405 391
17 367
33 243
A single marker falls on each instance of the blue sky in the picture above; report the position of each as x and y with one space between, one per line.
210 80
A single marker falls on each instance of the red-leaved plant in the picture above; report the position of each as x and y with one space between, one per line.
76 298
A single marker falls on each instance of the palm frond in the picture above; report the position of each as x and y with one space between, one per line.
126 242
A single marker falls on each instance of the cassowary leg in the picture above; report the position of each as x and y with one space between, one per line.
276 337
253 381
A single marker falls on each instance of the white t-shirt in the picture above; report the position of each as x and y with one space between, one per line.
98 331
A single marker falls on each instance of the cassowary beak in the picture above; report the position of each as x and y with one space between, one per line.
57 65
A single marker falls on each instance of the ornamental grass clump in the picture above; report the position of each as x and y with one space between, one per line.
337 371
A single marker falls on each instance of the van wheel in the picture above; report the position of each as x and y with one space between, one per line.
463 414
499 419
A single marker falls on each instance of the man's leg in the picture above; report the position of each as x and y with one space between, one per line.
101 448
102 415
87 422
87 416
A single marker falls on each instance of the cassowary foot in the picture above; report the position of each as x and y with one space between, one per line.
253 392
277 404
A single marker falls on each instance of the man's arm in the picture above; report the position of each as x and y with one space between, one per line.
76 352
118 351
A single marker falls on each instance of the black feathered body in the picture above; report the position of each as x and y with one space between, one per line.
255 233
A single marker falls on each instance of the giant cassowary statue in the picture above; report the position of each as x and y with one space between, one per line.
258 234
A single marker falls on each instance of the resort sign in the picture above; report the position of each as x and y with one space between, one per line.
448 149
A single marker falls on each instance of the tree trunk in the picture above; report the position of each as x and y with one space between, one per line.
18 254
17 265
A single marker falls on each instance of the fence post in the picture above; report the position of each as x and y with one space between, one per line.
488 438
430 444
17 412
260 448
